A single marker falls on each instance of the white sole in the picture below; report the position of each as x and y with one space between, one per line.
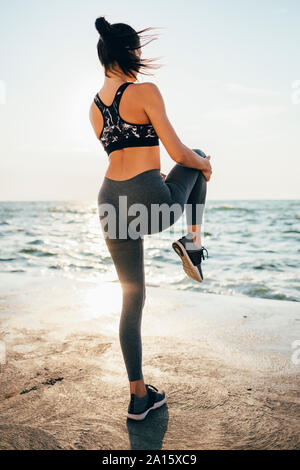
188 267
142 416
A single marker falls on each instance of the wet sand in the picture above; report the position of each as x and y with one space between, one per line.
225 363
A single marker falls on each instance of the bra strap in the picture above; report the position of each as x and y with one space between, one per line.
119 94
98 102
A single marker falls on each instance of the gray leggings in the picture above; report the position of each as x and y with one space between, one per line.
182 186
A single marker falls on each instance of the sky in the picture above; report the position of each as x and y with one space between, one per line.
230 79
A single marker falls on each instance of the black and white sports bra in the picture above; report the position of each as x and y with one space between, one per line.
118 133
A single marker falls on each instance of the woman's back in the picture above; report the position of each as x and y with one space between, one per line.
121 123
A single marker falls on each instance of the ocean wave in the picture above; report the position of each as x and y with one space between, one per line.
263 291
225 207
66 210
36 252
75 267
36 242
267 266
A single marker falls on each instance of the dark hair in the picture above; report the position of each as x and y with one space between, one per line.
117 45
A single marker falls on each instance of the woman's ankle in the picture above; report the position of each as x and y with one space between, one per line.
196 238
138 388
141 394
194 232
197 241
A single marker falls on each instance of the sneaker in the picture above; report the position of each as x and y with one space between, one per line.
191 258
139 407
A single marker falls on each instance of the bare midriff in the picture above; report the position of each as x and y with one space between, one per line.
129 162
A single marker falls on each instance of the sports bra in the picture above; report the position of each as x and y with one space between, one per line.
118 133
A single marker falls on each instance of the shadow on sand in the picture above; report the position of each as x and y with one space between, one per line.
149 433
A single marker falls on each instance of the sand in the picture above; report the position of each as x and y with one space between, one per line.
225 363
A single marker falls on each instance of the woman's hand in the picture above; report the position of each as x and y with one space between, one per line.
207 171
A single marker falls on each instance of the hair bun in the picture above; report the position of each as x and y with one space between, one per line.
102 26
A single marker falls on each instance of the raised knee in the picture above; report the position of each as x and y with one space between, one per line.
203 178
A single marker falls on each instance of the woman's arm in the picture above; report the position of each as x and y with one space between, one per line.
155 109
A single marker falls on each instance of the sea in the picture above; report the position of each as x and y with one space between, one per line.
253 247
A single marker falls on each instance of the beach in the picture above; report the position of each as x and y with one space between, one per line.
227 365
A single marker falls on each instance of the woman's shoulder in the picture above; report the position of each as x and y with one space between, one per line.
147 90
147 86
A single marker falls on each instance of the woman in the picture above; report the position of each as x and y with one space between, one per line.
129 118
